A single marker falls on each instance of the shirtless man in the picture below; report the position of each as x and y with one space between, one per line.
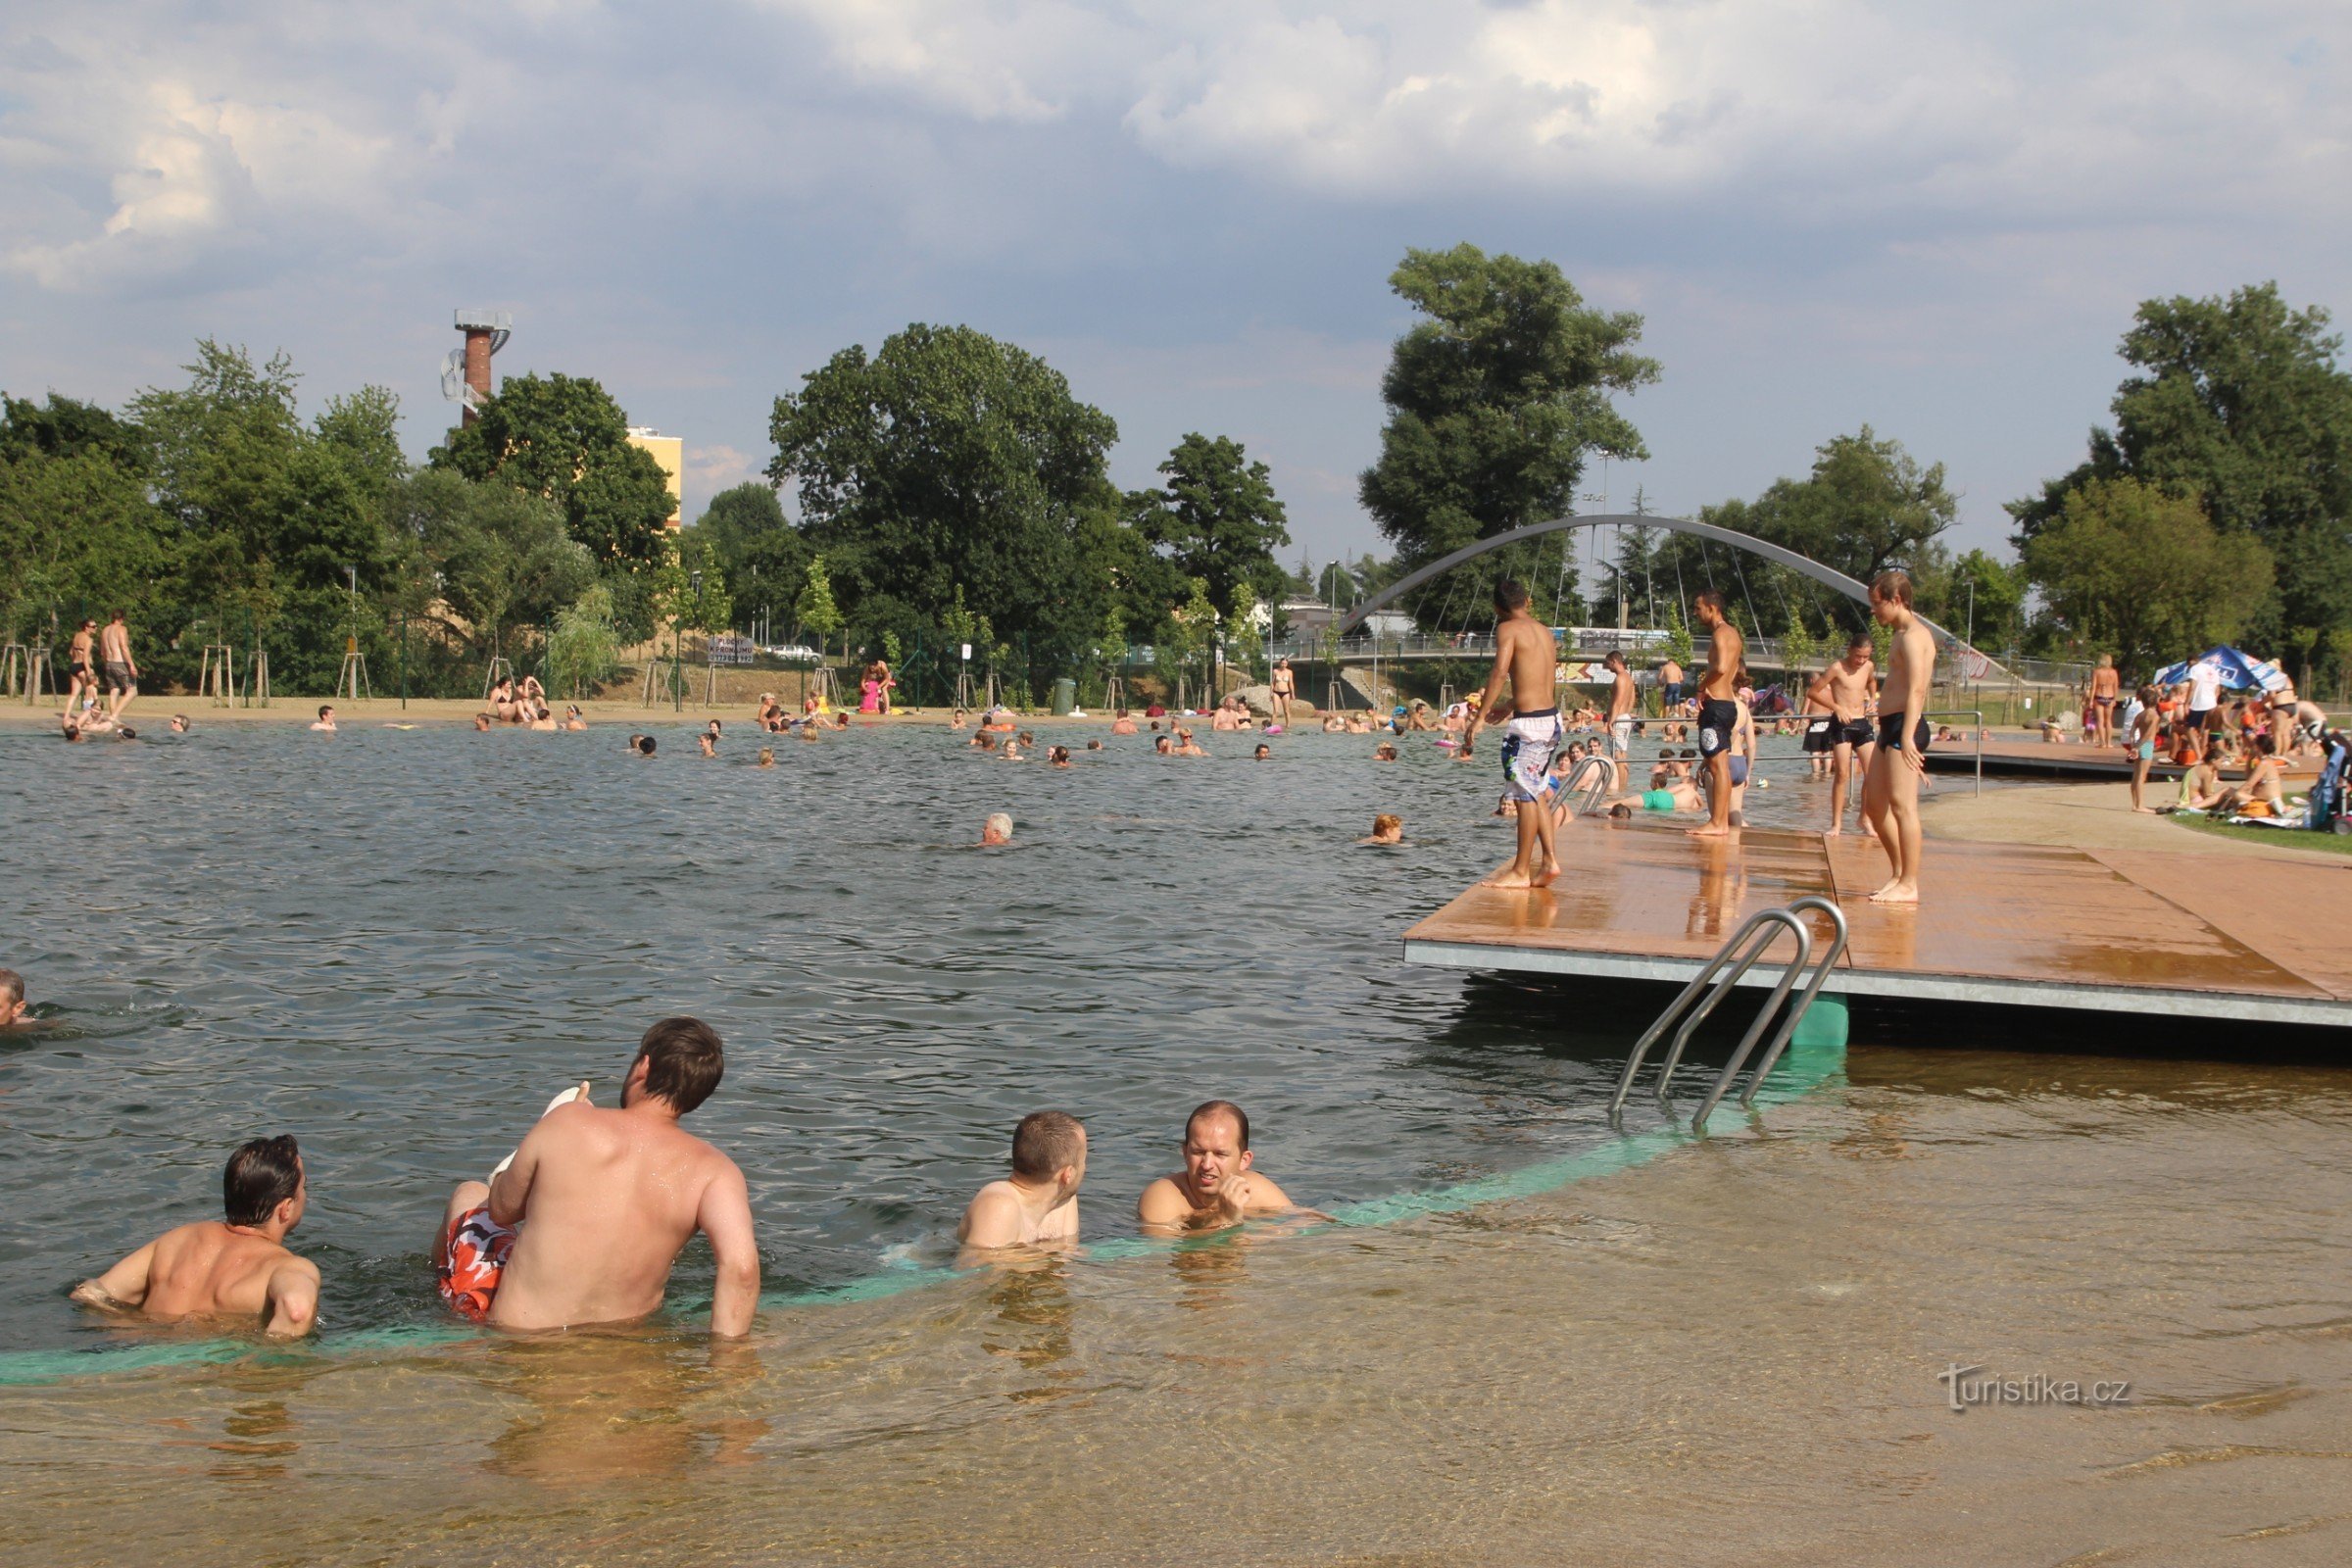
1717 709
2105 686
237 1267
326 718
13 1010
1524 657
1669 686
1037 1205
581 1227
2259 788
1217 1185
1282 684
998 829
1122 724
1845 689
121 671
1621 713
1891 790
79 678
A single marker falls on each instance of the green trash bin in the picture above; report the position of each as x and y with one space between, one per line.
1065 697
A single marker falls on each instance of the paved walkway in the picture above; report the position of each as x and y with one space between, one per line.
2087 817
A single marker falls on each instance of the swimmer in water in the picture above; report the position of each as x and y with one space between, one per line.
708 742
1387 829
1384 752
13 1011
583 1224
645 745
1037 1205
998 829
573 718
1121 724
1059 756
1219 1185
182 723
767 757
326 718
1264 753
234 1267
1163 745
1094 746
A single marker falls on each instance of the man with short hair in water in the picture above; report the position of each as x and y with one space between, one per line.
234 1267
326 718
1121 724
13 1010
1524 657
1846 688
1037 1205
1891 790
998 829
1217 1185
583 1224
1621 713
1717 709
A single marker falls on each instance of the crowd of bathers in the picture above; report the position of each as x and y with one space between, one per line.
582 1223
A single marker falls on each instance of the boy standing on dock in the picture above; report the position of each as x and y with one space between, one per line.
1891 790
1717 709
1524 656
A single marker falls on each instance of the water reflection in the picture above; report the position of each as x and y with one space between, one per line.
596 1411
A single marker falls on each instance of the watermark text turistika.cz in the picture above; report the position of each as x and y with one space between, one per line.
1966 1387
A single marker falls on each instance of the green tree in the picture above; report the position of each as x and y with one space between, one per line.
1218 520
1866 505
269 516
814 609
950 459
495 556
1495 403
2242 402
2126 567
78 536
1982 599
563 439
1245 643
761 556
583 648
65 428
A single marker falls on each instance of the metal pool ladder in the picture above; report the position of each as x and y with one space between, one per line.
1603 773
1708 987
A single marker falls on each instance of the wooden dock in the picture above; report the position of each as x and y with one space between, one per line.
2164 934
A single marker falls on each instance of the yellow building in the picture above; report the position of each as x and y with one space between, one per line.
669 451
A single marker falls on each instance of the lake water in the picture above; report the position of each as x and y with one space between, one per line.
396 945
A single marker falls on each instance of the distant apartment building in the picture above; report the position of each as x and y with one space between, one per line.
669 451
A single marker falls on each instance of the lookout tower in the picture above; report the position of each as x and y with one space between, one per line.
465 373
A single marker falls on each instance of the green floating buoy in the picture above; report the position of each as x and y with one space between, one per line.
1822 1027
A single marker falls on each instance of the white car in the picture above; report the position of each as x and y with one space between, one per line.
794 651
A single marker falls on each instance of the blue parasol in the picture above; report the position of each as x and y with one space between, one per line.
2240 672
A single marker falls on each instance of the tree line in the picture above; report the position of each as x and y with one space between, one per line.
950 488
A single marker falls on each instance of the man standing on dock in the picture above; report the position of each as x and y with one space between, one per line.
1621 715
1717 709
1846 688
1891 790
1524 656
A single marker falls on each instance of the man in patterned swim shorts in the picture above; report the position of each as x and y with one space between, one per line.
1525 657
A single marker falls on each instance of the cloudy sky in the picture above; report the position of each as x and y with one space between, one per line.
1932 218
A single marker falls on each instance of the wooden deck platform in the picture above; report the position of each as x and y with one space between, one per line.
2166 934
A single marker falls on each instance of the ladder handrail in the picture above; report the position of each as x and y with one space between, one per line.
1683 1000
1780 918
1828 960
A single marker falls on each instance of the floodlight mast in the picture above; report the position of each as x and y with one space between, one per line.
465 373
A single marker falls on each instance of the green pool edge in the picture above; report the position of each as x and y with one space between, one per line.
1803 1069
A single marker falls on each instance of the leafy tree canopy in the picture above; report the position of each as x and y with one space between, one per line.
2240 402
1496 401
2129 568
1218 520
564 438
947 460
761 556
493 556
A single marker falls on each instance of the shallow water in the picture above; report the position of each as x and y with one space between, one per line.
397 944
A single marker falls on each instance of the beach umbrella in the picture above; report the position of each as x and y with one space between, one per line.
2240 672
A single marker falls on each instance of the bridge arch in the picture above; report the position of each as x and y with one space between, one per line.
1827 576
